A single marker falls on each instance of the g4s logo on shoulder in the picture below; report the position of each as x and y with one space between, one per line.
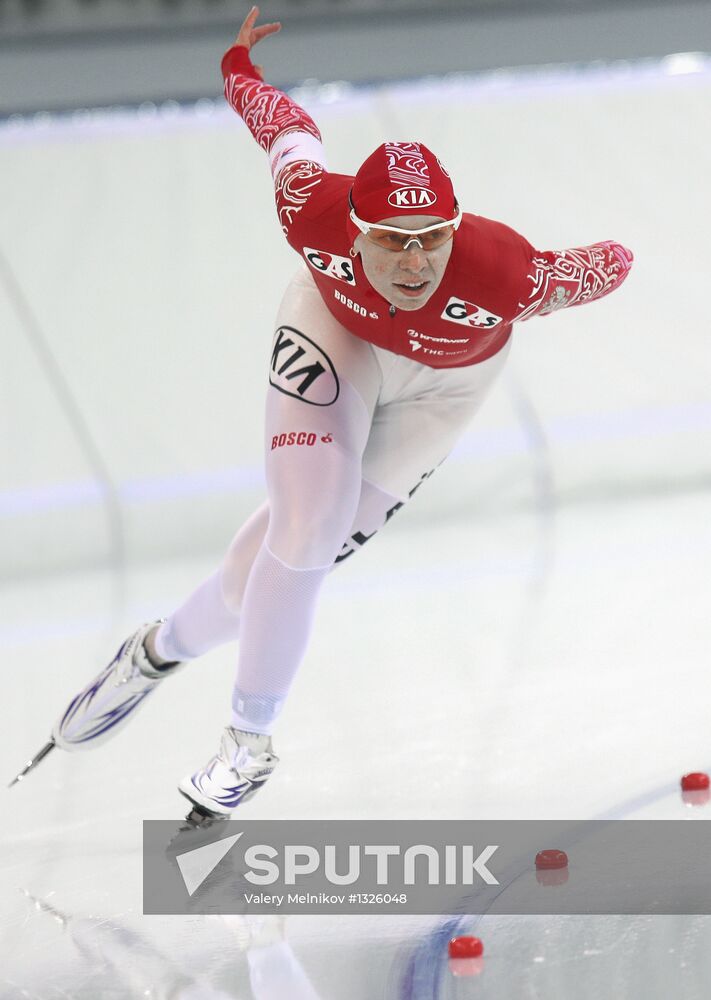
340 268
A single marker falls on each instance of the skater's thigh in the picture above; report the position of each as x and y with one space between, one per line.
421 414
323 388
322 381
313 355
375 508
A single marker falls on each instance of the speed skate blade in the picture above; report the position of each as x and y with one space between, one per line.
200 818
33 762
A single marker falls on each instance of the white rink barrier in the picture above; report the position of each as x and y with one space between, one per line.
143 256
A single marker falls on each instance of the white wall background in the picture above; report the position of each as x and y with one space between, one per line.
148 252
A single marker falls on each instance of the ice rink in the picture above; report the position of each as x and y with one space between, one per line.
529 638
556 670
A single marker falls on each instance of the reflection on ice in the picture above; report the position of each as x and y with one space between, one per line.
123 962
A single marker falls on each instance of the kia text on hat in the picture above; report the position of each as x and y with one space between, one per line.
405 176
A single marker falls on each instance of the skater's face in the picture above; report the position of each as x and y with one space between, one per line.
405 277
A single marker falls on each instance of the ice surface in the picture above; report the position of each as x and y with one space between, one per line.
511 667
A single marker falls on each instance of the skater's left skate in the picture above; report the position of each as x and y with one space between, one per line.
107 703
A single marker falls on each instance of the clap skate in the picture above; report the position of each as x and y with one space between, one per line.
107 703
231 777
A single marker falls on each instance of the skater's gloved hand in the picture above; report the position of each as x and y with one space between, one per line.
622 257
249 35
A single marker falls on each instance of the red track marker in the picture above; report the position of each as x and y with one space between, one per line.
465 947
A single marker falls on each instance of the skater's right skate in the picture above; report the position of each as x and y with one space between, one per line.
232 776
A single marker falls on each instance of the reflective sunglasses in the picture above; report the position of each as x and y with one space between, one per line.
396 239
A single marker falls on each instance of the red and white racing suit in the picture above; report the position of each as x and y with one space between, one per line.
494 275
364 400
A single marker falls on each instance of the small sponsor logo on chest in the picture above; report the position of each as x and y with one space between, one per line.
340 268
416 344
469 314
437 340
356 307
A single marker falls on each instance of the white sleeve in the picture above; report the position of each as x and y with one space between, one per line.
295 146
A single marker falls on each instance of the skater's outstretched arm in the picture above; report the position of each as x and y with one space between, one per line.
281 127
557 279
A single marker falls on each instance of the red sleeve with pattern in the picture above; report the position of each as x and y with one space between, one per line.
283 129
560 278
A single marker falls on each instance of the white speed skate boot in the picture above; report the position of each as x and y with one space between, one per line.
233 775
107 703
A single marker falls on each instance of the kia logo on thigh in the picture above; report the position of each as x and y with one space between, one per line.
299 368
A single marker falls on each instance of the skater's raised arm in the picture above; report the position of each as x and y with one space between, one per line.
560 278
282 128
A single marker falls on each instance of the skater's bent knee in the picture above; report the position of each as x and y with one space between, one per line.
307 543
